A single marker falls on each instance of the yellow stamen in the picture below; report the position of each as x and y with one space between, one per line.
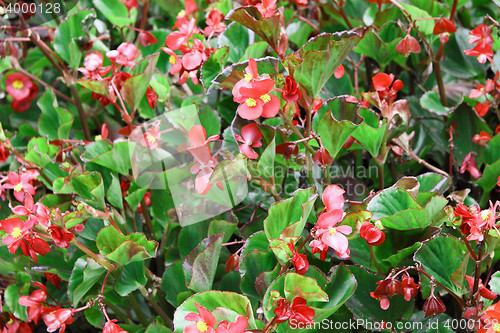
265 98
18 84
333 231
98 137
150 138
251 102
201 326
485 214
248 77
182 13
172 60
18 187
16 232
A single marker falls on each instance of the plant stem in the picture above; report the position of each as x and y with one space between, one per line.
147 219
458 299
99 259
414 156
81 112
137 310
380 176
296 132
156 306
374 259
477 272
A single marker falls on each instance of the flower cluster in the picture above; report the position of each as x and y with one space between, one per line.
483 50
22 90
298 311
391 286
205 321
326 232
487 94
475 222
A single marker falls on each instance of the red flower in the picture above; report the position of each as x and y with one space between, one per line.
214 22
16 231
176 39
4 153
250 137
204 321
482 138
410 288
93 66
18 86
232 263
469 164
146 38
61 237
408 45
298 311
266 8
130 4
322 157
444 25
339 72
252 93
53 278
386 87
287 149
385 290
291 92
482 108
238 326
371 234
433 306
123 55
20 184
57 318
300 262
483 291
34 302
175 60
111 327
483 52
490 319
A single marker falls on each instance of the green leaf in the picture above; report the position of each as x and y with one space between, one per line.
94 316
430 101
397 257
294 210
337 124
201 264
124 249
389 202
115 156
214 65
268 29
99 87
134 88
236 303
381 46
172 282
488 180
315 62
41 152
424 26
67 35
54 122
236 38
441 257
265 165
14 291
131 278
157 328
85 275
492 152
222 227
370 133
114 193
433 182
297 285
495 283
115 11
90 187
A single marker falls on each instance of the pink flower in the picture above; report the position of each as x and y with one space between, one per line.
214 22
408 45
150 139
57 318
93 66
266 8
469 164
238 326
20 184
124 54
253 94
250 137
326 232
204 321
